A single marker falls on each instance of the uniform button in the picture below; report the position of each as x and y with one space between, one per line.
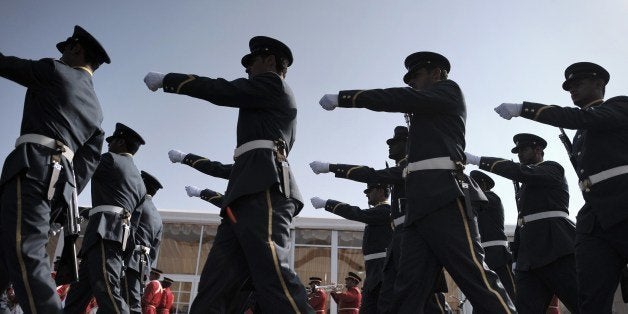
532 110
579 153
579 135
581 170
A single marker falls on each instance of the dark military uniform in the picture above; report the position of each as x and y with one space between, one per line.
148 228
545 262
394 177
602 228
439 231
377 237
494 239
61 112
117 190
262 196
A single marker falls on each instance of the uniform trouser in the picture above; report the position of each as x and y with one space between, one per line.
435 304
256 244
369 300
446 237
506 276
131 284
99 275
24 226
537 287
600 257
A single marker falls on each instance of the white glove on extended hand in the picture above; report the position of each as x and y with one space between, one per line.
193 191
319 167
154 80
472 159
318 202
176 155
508 111
329 101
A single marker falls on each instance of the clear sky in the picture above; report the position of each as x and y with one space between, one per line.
500 51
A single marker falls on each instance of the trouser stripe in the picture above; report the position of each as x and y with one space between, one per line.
18 248
440 306
271 244
512 279
475 260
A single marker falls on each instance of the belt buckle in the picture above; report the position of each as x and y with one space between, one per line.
521 221
585 185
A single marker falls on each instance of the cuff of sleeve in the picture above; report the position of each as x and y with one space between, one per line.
347 98
530 110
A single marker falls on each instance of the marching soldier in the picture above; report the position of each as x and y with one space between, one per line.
262 196
439 227
117 190
394 177
317 298
167 298
494 239
544 255
377 236
350 300
601 165
147 238
54 158
152 293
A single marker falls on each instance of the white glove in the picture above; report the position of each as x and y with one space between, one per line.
472 159
319 167
329 101
193 191
508 111
318 202
176 155
154 80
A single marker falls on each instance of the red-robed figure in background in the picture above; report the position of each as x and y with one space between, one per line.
317 298
349 301
152 293
167 298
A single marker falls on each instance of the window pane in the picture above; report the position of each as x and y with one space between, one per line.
312 262
350 260
350 238
179 248
313 236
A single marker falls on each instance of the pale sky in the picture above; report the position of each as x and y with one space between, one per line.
500 51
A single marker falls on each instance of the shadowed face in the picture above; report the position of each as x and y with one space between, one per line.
260 64
585 90
421 79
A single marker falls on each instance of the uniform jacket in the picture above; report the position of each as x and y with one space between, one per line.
491 227
437 129
544 188
376 238
348 301
61 104
166 301
392 176
267 111
116 182
602 132
318 300
148 232
152 296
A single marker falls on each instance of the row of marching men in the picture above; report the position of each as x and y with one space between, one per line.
383 230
